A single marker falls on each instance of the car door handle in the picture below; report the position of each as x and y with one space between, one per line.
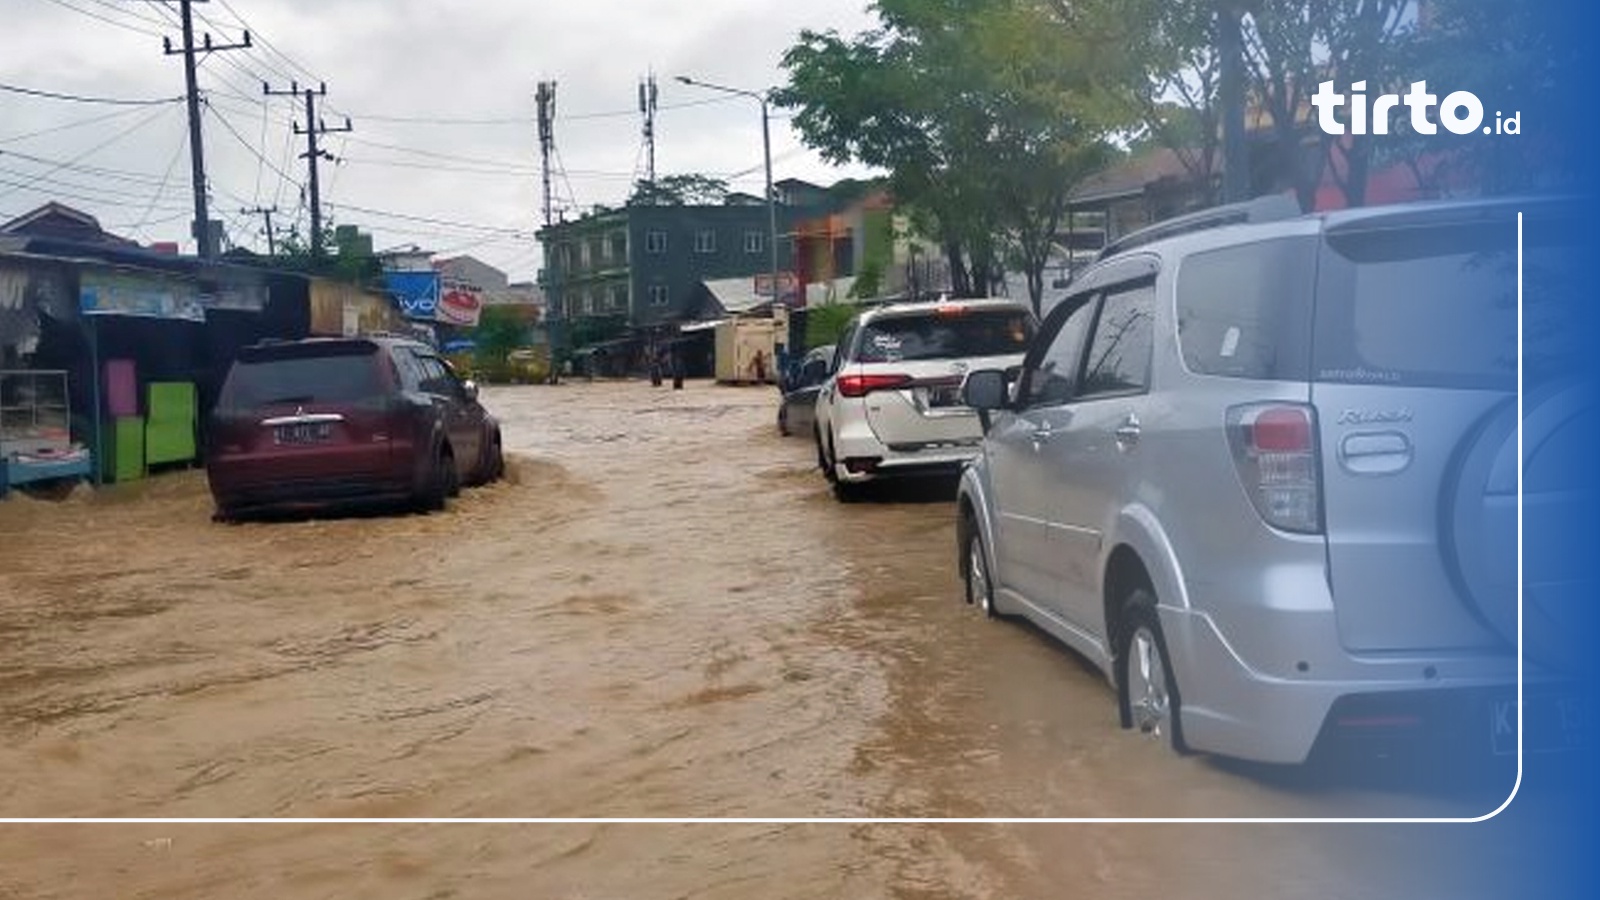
1128 432
1041 436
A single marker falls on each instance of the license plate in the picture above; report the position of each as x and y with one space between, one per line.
302 433
944 396
1549 724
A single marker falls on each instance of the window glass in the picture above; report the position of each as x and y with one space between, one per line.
1050 382
946 336
1118 361
1436 305
331 374
1245 311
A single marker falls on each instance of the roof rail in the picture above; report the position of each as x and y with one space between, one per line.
1270 208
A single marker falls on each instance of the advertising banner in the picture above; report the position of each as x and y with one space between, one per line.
146 296
460 303
788 287
416 294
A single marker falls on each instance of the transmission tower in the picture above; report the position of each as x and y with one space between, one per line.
647 107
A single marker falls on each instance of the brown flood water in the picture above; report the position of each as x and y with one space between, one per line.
661 613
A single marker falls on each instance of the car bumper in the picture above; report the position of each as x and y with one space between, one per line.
1233 708
246 486
862 457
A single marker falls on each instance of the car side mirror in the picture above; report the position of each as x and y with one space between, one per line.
470 388
984 391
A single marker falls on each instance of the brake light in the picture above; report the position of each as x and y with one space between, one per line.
1275 450
862 385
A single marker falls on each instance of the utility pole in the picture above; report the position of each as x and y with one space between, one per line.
1231 95
267 211
205 238
647 106
546 97
314 128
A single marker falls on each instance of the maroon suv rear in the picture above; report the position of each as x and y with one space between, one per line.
310 423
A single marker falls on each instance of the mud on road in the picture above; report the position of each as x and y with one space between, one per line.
660 613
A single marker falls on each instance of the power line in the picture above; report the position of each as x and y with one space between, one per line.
106 19
516 232
495 163
101 171
161 189
70 125
92 150
78 98
243 142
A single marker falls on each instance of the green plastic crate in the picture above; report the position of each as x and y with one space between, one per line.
170 432
122 450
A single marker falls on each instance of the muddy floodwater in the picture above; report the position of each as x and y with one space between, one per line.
661 613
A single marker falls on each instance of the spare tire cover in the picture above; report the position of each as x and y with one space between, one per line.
1480 526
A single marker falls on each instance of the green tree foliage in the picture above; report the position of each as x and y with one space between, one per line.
500 331
986 113
679 190
824 324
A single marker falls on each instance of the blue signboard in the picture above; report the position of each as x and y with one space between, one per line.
147 296
415 293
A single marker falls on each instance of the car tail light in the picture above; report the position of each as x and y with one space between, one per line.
1275 448
862 385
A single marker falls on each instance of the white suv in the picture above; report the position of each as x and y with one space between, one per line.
891 405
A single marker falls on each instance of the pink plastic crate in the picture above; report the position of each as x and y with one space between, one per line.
122 388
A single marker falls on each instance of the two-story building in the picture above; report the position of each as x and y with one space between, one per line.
644 266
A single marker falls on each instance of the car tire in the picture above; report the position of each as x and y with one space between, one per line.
452 475
975 570
783 420
1147 690
497 461
436 490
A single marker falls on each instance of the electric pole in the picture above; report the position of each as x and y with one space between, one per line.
647 106
267 211
1231 96
313 129
205 238
546 97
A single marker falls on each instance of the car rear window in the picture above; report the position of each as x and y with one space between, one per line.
1245 311
951 335
339 373
1425 306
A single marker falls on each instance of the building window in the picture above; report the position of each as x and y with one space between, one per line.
754 242
655 242
705 241
619 296
658 295
619 247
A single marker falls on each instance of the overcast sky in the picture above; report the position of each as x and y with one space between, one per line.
440 95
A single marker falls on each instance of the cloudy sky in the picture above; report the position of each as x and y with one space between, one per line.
444 151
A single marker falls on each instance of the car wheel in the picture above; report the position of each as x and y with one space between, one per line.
497 461
437 488
980 587
1147 690
452 476
822 457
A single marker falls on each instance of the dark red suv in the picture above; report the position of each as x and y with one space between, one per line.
327 421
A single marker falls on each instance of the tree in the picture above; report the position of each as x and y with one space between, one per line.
679 190
986 113
500 331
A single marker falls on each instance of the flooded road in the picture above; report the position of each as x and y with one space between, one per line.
661 613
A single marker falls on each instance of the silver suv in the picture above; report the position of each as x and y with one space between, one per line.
1264 476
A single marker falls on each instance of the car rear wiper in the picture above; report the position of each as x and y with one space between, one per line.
304 398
